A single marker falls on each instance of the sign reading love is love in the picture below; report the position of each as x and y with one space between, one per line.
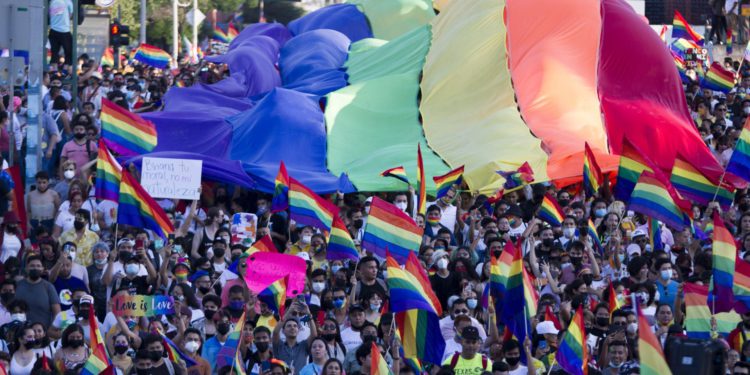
140 305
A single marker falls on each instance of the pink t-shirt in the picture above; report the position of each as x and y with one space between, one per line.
78 153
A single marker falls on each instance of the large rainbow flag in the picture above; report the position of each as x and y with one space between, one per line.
632 163
649 348
516 308
308 208
573 355
724 259
741 287
138 209
739 163
108 174
698 315
126 133
420 335
655 197
340 243
151 55
389 229
681 29
409 288
695 186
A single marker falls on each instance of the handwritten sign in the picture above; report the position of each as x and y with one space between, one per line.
140 305
244 228
265 268
172 178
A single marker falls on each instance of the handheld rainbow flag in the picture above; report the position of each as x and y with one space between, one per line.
698 316
410 287
718 79
445 182
108 57
739 163
653 196
420 335
307 208
98 361
174 353
724 258
138 209
649 348
592 174
681 46
397 172
573 355
340 244
741 287
614 303
729 41
515 310
220 35
681 29
280 200
275 295
108 174
232 31
654 234
237 365
389 228
378 365
592 233
126 133
549 316
227 353
421 184
522 176
154 56
263 244
550 211
632 163
693 185
663 34
681 68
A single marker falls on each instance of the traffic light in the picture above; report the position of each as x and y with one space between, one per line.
118 34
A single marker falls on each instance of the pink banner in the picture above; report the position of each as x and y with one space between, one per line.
265 268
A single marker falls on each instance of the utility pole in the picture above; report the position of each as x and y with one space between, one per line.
143 22
175 27
194 52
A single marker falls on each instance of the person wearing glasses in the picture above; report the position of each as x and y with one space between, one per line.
458 307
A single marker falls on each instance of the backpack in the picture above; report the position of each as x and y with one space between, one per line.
457 356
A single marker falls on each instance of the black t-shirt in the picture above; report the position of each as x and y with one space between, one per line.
378 286
4 190
444 288
136 285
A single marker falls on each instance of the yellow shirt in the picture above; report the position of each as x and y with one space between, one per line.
267 321
83 246
469 366
299 247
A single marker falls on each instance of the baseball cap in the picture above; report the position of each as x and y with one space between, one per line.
86 299
546 328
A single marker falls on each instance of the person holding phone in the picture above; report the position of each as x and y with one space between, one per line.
290 350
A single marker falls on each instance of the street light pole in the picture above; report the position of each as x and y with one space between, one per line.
175 26
194 52
143 22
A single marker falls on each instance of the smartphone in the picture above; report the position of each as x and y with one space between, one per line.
138 244
178 248
170 239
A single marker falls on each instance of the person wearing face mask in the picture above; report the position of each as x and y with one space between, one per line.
447 209
191 345
444 282
204 236
433 227
219 261
24 357
458 308
7 293
119 356
79 149
304 242
372 302
262 340
73 352
42 204
62 187
616 357
318 286
160 364
665 285
39 294
82 237
11 241
318 253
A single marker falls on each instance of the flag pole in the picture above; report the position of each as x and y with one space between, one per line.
721 180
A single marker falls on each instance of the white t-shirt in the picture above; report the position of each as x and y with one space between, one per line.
108 210
351 339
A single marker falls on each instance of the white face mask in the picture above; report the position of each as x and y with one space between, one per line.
569 232
632 328
192 346
318 287
442 263
306 238
19 317
472 303
131 269
69 174
401 205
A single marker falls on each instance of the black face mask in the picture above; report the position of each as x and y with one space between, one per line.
576 260
141 371
358 223
602 322
329 336
261 346
588 279
75 343
83 313
7 297
512 361
209 313
124 255
218 253
11 228
78 225
121 349
35 274
563 202
222 328
32 343
205 290
155 355
369 338
548 242
80 135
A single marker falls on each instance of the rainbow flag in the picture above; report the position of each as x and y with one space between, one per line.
729 41
741 287
632 163
98 361
614 303
654 234
530 295
663 34
718 79
739 164
421 183
515 310
174 353
389 228
138 209
496 287
409 290
237 364
108 174
698 316
397 172
594 235
724 258
280 201
420 335
572 354
263 244
445 182
550 211
681 46
340 244
693 185
378 365
126 133
220 35
307 208
227 353
681 29
232 31
549 316
154 56
592 174
522 176
275 295
649 348
108 57
653 196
